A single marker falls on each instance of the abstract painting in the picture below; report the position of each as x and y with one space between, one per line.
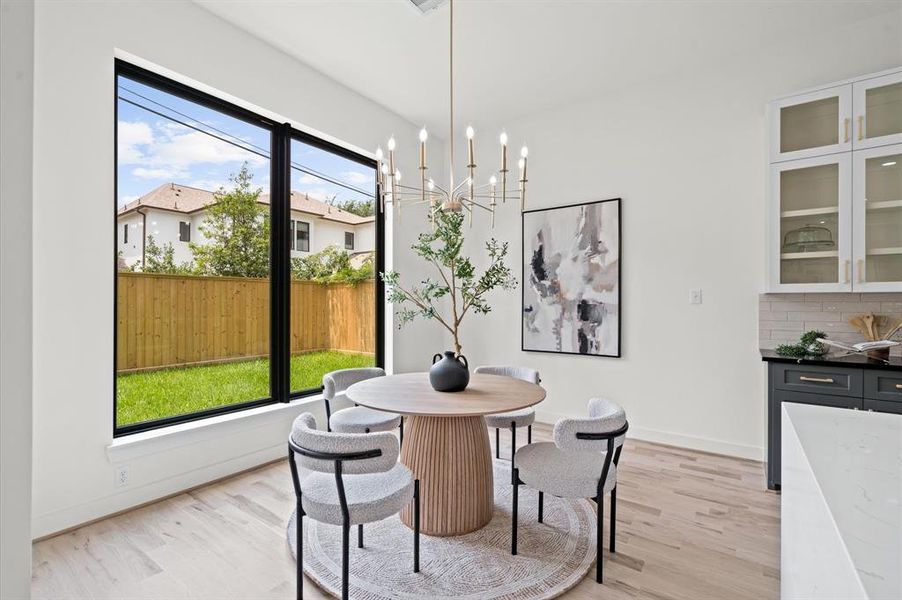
571 279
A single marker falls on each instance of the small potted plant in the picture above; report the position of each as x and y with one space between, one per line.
459 287
807 346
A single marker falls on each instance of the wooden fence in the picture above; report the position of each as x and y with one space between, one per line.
170 320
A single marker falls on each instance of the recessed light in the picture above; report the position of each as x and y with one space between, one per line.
889 164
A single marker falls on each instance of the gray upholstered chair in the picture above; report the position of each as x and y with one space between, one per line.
355 479
580 463
356 419
514 419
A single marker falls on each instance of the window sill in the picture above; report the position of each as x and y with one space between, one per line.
185 434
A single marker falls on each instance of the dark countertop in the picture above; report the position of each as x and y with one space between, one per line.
855 360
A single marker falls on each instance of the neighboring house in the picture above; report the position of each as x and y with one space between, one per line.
173 214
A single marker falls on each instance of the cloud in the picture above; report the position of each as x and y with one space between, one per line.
168 174
132 134
356 177
308 179
175 148
126 199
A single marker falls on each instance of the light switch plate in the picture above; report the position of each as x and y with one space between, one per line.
695 296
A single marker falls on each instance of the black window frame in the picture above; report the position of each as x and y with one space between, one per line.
298 231
349 233
280 262
185 232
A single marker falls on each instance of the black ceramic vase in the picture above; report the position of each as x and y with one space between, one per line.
450 374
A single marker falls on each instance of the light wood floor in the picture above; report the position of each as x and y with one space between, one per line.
689 525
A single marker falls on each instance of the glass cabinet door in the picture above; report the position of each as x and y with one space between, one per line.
811 237
877 201
877 105
811 124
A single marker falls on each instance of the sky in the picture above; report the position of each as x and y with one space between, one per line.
155 148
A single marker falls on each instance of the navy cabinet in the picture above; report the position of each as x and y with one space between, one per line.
850 384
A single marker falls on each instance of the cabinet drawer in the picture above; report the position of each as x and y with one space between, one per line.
880 385
818 399
834 381
883 406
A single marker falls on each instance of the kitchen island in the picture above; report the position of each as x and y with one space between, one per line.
841 514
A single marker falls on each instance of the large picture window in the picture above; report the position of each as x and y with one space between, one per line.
224 301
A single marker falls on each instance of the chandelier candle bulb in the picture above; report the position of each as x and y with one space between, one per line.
423 137
492 182
522 165
470 133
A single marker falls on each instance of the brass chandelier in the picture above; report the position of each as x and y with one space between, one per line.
463 195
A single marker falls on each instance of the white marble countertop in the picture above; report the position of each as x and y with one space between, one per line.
855 461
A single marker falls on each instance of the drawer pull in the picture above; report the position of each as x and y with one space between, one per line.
817 379
899 386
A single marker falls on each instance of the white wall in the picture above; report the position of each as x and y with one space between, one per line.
16 118
73 321
688 158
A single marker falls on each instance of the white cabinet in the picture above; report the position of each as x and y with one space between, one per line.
835 211
811 124
877 105
877 218
812 230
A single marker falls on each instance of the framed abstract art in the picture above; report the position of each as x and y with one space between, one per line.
571 279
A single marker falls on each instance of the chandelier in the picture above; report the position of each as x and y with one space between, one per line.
464 195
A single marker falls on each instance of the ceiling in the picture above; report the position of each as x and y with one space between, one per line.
513 58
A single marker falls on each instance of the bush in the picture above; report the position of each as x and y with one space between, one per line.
332 265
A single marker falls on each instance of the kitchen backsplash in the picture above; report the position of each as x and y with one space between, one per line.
782 318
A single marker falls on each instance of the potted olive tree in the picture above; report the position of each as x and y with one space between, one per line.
463 289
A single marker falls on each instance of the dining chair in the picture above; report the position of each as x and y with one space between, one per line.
514 419
580 463
356 419
355 479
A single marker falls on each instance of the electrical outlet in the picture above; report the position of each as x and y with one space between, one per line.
122 476
695 296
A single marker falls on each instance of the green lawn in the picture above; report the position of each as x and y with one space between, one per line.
168 392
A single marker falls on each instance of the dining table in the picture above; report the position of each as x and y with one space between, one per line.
446 442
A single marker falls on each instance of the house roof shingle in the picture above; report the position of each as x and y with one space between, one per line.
185 199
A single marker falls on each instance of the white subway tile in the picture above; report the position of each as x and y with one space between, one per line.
814 316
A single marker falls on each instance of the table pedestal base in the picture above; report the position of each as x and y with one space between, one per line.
452 459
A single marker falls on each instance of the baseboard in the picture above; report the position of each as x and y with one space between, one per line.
676 439
53 523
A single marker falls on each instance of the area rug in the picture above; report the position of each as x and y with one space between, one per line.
552 556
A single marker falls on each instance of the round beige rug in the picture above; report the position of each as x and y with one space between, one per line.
552 556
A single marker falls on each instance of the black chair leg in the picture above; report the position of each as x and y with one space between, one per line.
345 540
513 444
360 535
599 530
529 434
401 435
497 443
541 506
515 480
328 416
416 526
299 517
613 519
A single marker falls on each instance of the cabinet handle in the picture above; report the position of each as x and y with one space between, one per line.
845 125
859 268
848 264
816 379
899 386
860 127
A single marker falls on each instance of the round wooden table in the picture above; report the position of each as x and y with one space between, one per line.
446 442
